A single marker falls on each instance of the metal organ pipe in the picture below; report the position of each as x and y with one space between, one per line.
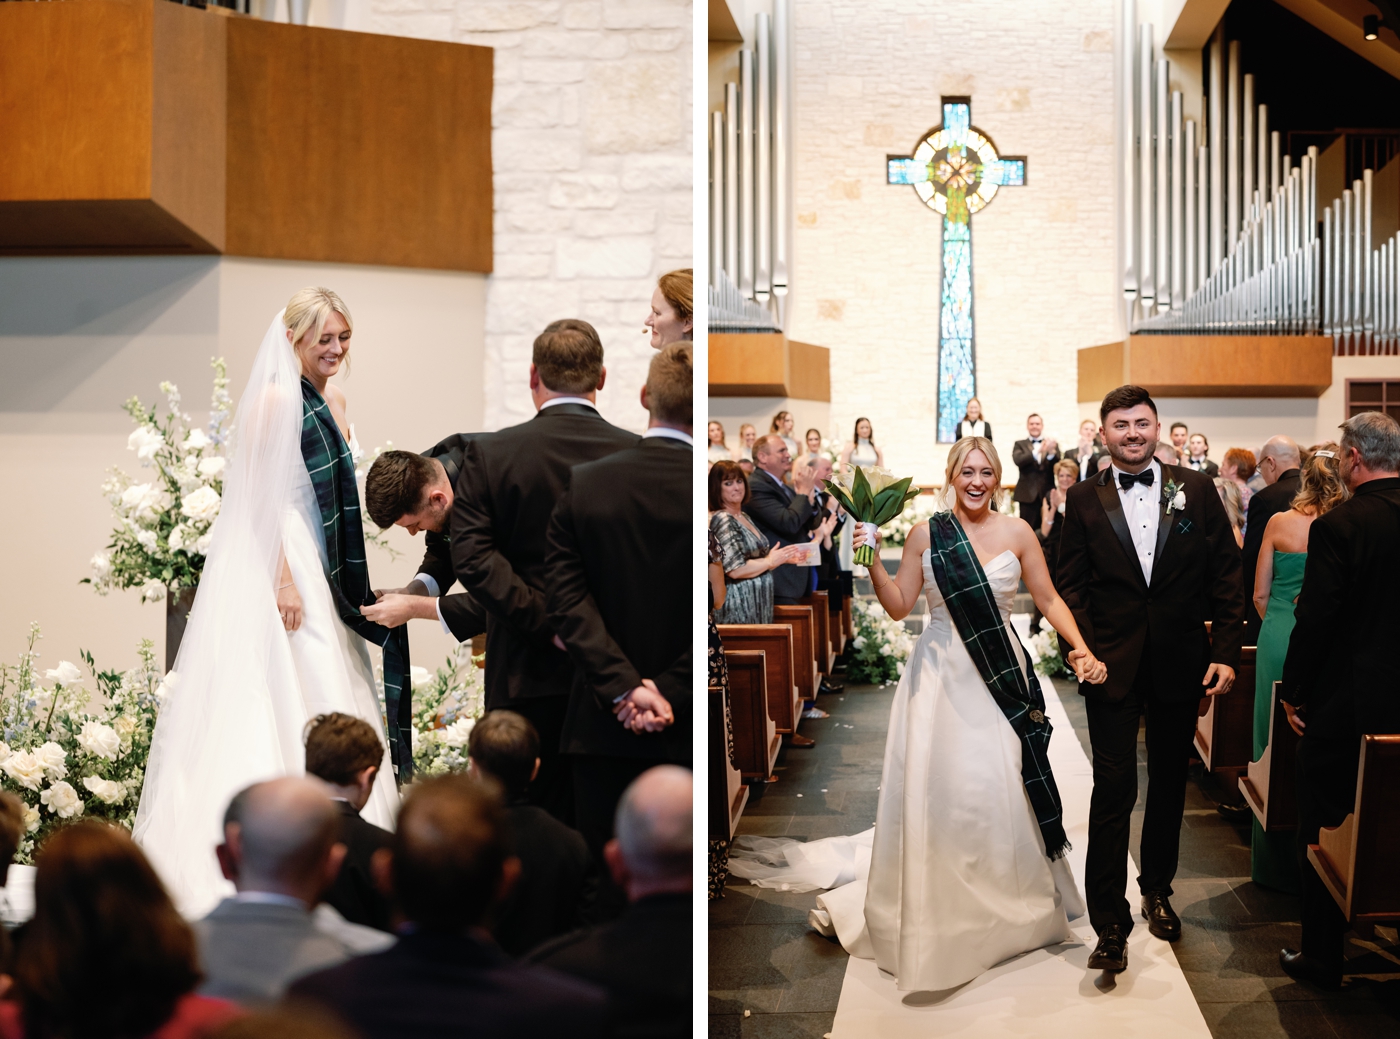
1146 281
782 145
1217 141
716 197
746 174
763 155
1127 156
1247 148
1178 165
1232 149
731 181
1188 213
1162 232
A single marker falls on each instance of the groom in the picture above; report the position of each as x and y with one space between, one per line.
1147 557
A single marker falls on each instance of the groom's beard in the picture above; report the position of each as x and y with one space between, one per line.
1141 448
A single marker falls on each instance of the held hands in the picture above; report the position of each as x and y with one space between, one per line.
1218 680
289 606
644 709
1087 667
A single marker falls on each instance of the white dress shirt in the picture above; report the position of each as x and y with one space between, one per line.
568 400
673 434
1036 443
1142 512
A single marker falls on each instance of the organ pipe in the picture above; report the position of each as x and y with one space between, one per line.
731 181
1178 194
763 167
1188 213
1162 231
1127 159
746 174
1217 141
1146 282
782 145
717 252
1232 149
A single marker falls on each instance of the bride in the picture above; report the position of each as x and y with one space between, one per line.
269 643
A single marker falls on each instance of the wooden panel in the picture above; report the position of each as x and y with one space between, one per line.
1210 366
756 739
1225 732
809 371
728 794
400 169
767 364
1375 882
723 28
804 646
774 640
115 226
1100 370
821 615
1268 786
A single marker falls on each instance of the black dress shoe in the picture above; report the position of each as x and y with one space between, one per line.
1304 968
1161 921
1112 951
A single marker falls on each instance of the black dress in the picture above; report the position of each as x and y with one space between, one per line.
719 677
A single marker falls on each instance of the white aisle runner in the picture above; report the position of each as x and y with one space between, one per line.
1049 993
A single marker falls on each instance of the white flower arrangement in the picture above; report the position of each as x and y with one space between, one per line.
915 514
68 754
880 647
446 704
1044 648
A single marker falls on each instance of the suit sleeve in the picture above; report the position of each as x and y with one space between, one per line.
481 567
1224 584
1072 570
788 519
1317 616
463 615
1021 455
1253 541
437 561
675 682
574 614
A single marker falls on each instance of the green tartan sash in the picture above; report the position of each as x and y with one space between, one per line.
973 607
332 471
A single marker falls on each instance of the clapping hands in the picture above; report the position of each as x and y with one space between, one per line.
644 709
1087 667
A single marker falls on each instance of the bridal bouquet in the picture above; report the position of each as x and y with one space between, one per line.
164 522
65 756
873 496
446 704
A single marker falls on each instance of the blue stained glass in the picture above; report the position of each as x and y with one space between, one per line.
908 171
1006 172
956 120
956 370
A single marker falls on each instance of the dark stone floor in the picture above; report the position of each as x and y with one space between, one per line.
765 963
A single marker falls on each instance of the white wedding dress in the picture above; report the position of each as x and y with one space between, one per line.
243 688
953 879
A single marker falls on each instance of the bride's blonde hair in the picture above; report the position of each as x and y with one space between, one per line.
964 447
308 311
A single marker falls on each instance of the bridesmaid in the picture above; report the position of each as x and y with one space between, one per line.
1277 582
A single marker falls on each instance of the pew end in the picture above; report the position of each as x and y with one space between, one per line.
756 739
821 617
728 793
1268 785
1225 729
776 642
802 619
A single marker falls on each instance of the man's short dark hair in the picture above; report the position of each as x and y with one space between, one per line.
1123 398
568 355
670 385
397 484
1180 425
448 851
340 746
505 746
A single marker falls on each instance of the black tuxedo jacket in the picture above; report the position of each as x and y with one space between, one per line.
508 487
465 617
621 565
1128 623
1036 477
450 986
785 518
1093 468
1276 498
1341 655
354 894
1208 468
557 883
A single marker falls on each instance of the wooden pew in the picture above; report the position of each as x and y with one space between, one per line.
756 739
776 641
821 616
1268 785
728 794
836 625
1225 729
804 647
1356 860
848 625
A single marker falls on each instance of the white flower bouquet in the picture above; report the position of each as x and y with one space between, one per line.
65 756
1044 648
881 645
446 704
873 496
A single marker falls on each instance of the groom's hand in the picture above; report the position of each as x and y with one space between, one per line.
644 709
395 608
1219 678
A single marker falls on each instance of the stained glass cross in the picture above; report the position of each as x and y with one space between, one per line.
956 171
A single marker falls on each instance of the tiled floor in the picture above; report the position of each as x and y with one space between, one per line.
764 961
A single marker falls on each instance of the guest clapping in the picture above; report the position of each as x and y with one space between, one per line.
972 423
1180 434
782 514
1089 450
672 317
1198 447
746 554
1035 457
1052 508
718 449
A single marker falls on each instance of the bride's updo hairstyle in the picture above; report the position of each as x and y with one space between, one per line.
308 311
958 455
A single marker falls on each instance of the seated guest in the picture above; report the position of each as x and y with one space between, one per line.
445 977
650 860
280 850
718 450
344 752
106 953
1198 447
557 879
1238 466
746 554
1229 492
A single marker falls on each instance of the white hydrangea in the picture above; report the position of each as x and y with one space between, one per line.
211 468
67 673
201 505
147 539
100 740
197 441
54 760
143 501
456 734
101 566
62 800
105 790
145 441
25 769
153 591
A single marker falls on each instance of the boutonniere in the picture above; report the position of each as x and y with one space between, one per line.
1174 496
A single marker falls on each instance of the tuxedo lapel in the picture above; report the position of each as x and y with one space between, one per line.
1113 508
1164 519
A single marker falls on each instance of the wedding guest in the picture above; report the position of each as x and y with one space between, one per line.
718 450
624 527
747 435
106 953
861 449
782 425
344 753
1035 457
718 679
672 318
1339 678
510 482
1198 447
1238 466
1280 460
1089 450
1052 509
650 859
557 876
1166 454
782 514
747 556
813 440
1283 552
1104 462
1180 434
282 853
445 976
972 424
1229 492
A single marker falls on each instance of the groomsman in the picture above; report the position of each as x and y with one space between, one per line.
1035 457
1146 559
509 485
621 561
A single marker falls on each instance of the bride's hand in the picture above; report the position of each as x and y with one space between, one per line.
289 606
1087 667
861 539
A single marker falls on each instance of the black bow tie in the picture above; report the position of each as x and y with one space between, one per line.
1126 480
1035 440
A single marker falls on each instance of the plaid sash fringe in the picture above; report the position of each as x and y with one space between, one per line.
332 472
973 607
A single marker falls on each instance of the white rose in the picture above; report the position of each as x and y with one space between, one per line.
62 800
197 440
152 591
201 505
101 566
101 740
1179 502
455 735
179 537
124 726
105 790
145 441
202 545
25 769
65 674
858 642
54 759
147 539
5 753
212 468
420 675
32 819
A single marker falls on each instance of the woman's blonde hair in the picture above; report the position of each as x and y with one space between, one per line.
678 287
1231 498
1321 489
1067 465
964 447
308 311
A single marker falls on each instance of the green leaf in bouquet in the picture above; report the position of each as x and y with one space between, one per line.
861 496
890 502
839 493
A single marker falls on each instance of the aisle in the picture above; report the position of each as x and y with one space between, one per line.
1049 993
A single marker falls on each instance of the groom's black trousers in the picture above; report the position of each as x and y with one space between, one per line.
1113 731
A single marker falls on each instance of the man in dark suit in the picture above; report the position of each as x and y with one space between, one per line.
1146 558
620 563
1196 448
345 753
1035 457
1339 678
449 862
508 487
557 875
650 858
416 492
1280 464
785 515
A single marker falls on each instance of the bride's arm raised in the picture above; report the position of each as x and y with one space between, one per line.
1037 577
899 594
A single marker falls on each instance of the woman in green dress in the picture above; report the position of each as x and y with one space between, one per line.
1278 580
